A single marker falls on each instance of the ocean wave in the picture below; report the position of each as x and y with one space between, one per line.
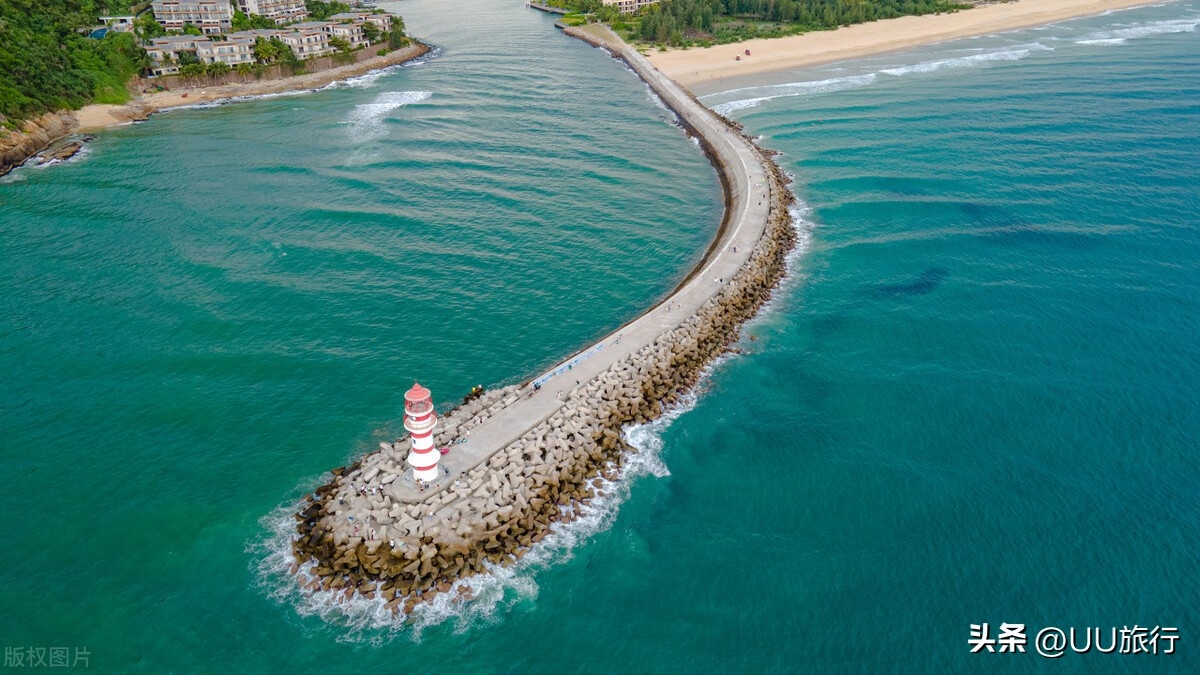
771 92
774 91
233 99
1006 54
673 119
364 81
368 80
1119 36
367 120
34 163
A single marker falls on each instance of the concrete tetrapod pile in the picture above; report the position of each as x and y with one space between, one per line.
364 533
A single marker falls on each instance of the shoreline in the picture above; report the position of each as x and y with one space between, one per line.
707 70
524 457
56 129
96 117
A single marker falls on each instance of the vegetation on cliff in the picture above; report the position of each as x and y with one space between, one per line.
47 64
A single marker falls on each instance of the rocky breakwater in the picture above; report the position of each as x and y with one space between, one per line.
356 536
367 534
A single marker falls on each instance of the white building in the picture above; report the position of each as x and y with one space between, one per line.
213 17
628 6
166 51
283 11
233 50
383 21
349 31
308 40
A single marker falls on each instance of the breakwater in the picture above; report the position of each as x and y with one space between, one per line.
522 457
550 9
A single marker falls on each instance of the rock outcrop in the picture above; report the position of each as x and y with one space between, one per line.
34 136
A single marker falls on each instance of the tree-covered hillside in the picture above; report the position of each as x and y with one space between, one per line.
47 64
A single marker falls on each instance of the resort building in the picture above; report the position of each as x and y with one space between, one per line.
166 51
628 6
233 50
383 21
213 17
350 32
308 40
283 11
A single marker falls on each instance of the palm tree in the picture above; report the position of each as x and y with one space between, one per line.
244 69
216 69
191 71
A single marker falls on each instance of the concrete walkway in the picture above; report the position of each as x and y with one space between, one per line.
747 218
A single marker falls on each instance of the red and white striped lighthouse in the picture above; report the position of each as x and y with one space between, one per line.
420 420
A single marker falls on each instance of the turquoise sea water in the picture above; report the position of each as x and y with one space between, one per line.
973 401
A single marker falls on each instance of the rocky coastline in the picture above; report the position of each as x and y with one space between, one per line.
360 535
33 137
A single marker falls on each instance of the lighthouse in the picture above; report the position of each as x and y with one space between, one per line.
420 420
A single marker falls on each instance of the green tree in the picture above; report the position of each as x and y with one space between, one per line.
396 38
146 28
243 21
339 43
371 32
191 29
46 64
269 51
680 22
244 70
319 11
192 71
217 69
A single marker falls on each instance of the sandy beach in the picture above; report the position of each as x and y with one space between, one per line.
706 70
96 117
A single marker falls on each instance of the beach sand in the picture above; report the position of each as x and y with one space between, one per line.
95 117
707 70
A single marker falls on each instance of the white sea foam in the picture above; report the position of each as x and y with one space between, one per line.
17 173
79 156
970 60
368 80
363 81
774 91
674 119
367 120
1102 41
1119 36
771 92
234 99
